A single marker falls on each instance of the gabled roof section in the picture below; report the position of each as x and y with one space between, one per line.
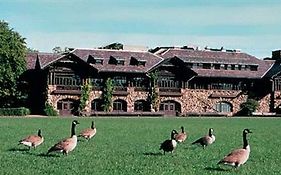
274 70
40 60
230 57
119 55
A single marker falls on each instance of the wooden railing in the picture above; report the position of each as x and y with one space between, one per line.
169 91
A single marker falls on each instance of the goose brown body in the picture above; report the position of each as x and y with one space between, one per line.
170 144
181 137
239 156
89 132
33 140
67 145
206 140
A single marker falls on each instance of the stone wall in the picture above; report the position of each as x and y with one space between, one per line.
191 100
200 101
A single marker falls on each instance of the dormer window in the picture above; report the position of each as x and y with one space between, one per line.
95 60
137 62
253 67
206 66
217 66
116 60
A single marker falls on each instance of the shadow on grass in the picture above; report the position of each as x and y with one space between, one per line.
152 154
48 155
19 150
215 169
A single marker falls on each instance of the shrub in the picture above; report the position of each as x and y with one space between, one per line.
49 110
22 111
248 107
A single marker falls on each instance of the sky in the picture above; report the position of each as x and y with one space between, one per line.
254 26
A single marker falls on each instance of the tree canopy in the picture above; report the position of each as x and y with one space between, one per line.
12 65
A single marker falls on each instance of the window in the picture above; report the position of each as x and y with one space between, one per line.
168 82
189 65
223 107
225 66
217 66
66 78
141 105
138 82
120 81
254 68
141 62
93 60
239 67
119 105
206 66
96 105
277 83
96 82
98 61
116 60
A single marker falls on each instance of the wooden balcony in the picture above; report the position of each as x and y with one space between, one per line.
175 92
67 90
141 89
121 91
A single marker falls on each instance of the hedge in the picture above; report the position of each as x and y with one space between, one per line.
14 111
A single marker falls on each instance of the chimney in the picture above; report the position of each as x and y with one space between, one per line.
276 55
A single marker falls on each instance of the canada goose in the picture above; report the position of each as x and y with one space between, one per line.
169 145
239 156
206 140
89 132
33 140
180 137
67 145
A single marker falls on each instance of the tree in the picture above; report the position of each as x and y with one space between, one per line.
248 107
31 50
59 50
86 90
13 64
153 96
113 46
107 95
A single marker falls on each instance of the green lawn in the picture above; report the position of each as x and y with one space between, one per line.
131 146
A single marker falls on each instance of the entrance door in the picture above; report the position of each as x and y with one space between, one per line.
66 107
168 108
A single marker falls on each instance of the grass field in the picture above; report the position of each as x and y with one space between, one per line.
131 146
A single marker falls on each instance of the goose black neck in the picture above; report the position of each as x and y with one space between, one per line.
39 133
173 134
245 141
93 125
210 133
73 129
182 129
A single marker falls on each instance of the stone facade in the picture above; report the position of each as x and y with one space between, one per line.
190 100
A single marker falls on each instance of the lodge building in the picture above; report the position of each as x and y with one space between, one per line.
188 81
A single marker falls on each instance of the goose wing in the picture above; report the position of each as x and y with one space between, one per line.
181 137
236 156
31 138
62 145
88 133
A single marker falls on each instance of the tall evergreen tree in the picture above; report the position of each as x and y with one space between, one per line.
12 65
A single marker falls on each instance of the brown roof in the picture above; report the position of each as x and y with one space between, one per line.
43 58
220 57
149 58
